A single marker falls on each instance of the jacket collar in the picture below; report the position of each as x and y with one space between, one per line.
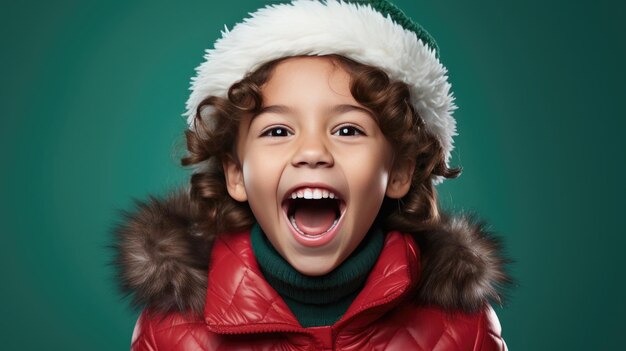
162 262
239 299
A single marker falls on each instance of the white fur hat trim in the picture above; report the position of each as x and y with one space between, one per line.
356 31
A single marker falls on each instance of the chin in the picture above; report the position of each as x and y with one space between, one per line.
315 266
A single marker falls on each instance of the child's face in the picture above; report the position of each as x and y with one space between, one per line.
313 139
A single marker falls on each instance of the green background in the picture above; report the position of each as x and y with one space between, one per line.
91 100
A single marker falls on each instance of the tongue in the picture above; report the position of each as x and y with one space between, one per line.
313 219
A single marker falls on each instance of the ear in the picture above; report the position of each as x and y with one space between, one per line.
234 180
400 180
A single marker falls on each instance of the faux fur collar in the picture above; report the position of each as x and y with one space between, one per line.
162 259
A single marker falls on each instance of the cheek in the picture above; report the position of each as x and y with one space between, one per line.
261 176
369 173
256 174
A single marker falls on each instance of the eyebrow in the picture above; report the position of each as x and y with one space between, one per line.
348 108
337 109
280 109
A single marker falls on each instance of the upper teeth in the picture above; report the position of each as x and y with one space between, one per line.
312 193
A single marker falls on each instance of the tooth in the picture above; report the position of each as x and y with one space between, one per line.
300 194
294 195
325 194
331 195
317 194
308 194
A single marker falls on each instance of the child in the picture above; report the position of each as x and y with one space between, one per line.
317 131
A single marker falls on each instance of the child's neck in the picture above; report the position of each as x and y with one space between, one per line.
321 300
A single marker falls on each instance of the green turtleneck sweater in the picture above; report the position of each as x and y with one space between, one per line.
317 300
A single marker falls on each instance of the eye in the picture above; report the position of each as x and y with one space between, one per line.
276 132
348 131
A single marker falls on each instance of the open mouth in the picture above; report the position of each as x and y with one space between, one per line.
313 212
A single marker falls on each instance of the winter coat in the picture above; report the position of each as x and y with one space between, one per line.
428 291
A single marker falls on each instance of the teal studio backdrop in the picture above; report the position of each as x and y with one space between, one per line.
91 101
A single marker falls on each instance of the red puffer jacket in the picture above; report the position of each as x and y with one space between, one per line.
398 309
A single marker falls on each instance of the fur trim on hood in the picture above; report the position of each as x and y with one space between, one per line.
162 259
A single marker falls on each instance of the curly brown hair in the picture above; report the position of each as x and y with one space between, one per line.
213 138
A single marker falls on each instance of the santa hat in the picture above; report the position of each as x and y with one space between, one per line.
373 32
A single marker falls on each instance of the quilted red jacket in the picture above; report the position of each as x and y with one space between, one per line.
402 306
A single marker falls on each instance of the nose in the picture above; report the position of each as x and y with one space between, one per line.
312 152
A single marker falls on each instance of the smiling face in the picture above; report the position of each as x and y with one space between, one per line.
314 166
